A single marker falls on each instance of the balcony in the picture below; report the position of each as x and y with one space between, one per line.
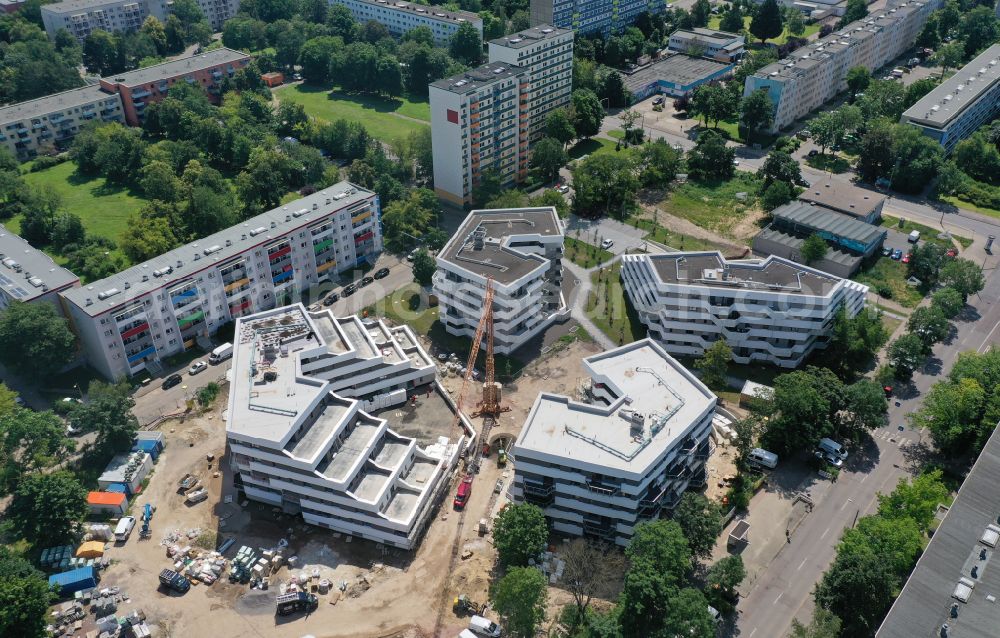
138 95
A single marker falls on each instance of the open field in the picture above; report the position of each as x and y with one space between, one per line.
584 254
714 205
385 118
591 146
713 23
888 276
104 208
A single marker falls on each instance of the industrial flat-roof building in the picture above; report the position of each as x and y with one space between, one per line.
400 16
708 43
314 428
520 249
129 321
27 274
771 310
847 199
675 75
954 109
624 454
812 75
952 592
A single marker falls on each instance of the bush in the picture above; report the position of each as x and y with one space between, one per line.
47 161
208 394
884 290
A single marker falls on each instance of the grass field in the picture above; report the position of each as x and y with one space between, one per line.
385 118
672 239
104 208
712 205
961 203
713 23
591 146
610 310
829 162
926 232
584 254
888 276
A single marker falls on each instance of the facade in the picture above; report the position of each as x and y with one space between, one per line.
814 74
847 199
520 249
479 122
676 75
27 274
54 120
951 593
547 53
720 46
954 109
137 89
772 310
81 17
130 321
400 16
303 427
592 16
624 454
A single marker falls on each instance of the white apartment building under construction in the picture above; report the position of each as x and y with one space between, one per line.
129 321
314 427
520 249
623 453
772 310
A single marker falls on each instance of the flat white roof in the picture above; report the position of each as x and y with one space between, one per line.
649 383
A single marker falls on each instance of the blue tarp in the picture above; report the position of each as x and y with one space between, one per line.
74 580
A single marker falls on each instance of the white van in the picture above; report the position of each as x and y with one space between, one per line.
484 627
762 457
914 236
124 529
832 449
467 634
221 353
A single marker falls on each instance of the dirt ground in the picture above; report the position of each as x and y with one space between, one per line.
390 593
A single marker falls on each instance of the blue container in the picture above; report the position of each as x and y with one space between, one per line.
149 447
120 488
75 580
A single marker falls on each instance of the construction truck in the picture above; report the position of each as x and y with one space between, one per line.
465 605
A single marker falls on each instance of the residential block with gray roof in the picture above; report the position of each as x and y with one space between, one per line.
769 310
27 274
401 16
520 250
130 321
954 109
623 454
320 423
82 17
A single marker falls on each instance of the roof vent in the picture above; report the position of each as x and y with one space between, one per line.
127 285
179 263
212 249
110 292
145 277
300 212
258 231
990 536
243 237
229 242
89 302
963 589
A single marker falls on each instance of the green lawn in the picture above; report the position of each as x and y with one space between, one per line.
404 305
670 238
888 278
712 205
385 118
104 208
591 146
961 203
714 21
926 232
829 162
584 254
609 308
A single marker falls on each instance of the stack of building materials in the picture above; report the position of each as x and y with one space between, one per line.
56 558
552 566
99 532
243 564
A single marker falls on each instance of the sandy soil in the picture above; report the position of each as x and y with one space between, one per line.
390 593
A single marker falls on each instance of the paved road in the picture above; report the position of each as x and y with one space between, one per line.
784 591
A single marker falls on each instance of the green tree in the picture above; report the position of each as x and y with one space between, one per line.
814 248
159 182
314 58
612 87
805 403
906 354
865 408
46 507
825 130
918 159
559 126
855 340
949 56
732 20
882 98
658 163
714 364
929 37
591 571
858 78
146 237
858 588
767 22
777 194
107 411
779 167
711 158
929 324
824 624
24 597
756 109
952 412
949 301
917 90
406 221
925 263
979 29
856 10
102 53
795 23
915 499
548 156
979 158
29 441
588 114
875 154
687 615
962 275
466 45
659 560
424 267
701 11
700 520
520 534
604 184
50 347
520 597
723 578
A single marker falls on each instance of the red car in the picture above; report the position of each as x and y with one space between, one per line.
464 490
951 253
906 258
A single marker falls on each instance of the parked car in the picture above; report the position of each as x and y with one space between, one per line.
381 273
412 255
331 299
906 258
349 290
886 251
171 381
897 254
658 100
804 134
124 528
563 189
365 281
196 367
172 580
607 243
812 153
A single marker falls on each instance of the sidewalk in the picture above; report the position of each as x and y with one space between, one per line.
578 304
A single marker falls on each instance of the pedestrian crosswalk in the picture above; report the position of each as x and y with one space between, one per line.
893 436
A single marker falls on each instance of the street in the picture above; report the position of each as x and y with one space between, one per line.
784 590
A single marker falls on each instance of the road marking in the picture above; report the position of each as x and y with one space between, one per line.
801 564
752 633
863 478
825 533
983 344
778 598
